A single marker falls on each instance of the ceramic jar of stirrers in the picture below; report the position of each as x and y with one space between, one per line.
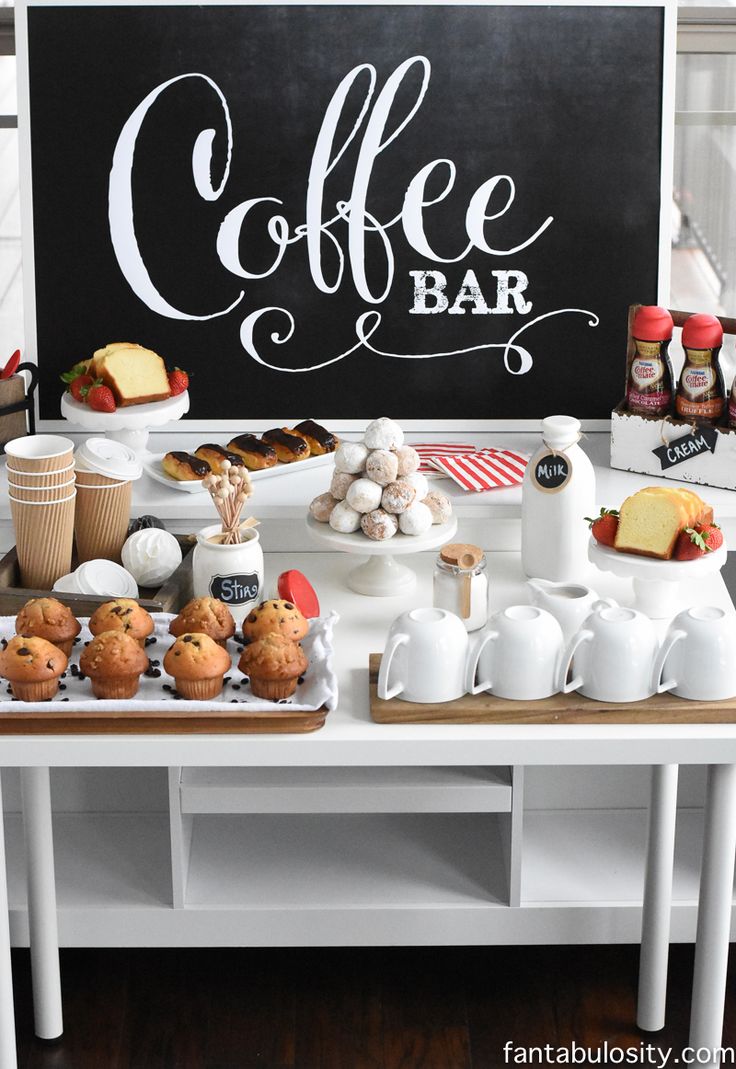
233 573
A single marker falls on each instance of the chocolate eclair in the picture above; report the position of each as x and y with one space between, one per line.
216 454
318 438
289 445
254 453
184 467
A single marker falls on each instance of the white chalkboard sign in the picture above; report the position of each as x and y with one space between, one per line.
439 211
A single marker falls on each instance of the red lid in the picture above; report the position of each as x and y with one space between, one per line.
293 586
702 331
652 323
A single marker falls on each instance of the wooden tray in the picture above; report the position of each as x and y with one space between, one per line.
225 720
559 709
170 597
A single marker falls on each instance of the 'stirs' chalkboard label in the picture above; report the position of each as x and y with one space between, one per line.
235 589
687 447
552 472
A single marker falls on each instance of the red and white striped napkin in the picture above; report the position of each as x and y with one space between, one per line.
472 468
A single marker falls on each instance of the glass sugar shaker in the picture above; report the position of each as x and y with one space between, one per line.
461 585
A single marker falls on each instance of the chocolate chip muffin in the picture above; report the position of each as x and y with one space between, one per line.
33 666
198 665
114 662
274 664
50 619
275 617
206 616
122 614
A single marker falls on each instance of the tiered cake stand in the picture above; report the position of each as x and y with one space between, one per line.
381 575
656 582
129 425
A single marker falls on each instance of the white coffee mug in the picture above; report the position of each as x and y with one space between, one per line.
518 655
425 656
569 603
698 656
612 657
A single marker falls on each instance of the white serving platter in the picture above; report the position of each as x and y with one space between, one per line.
152 467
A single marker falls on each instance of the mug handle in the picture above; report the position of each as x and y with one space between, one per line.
604 603
470 685
384 693
565 687
664 652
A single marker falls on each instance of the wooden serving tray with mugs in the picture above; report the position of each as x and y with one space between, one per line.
170 597
559 709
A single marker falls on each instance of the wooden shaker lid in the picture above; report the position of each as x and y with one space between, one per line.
461 554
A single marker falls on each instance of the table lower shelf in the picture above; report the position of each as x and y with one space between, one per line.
354 880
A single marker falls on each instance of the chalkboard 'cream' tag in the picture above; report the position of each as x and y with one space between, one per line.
552 472
704 440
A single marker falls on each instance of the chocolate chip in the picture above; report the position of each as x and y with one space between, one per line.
166 686
81 677
233 701
127 612
236 686
246 679
197 644
23 651
288 605
62 686
116 610
65 699
282 619
151 640
76 641
240 649
63 675
227 679
49 665
252 618
155 663
4 643
300 680
188 638
87 643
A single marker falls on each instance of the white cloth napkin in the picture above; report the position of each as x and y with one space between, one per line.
319 687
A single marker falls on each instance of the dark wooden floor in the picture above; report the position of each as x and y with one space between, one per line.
344 1009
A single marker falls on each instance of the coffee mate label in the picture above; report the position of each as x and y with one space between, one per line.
648 388
698 394
697 381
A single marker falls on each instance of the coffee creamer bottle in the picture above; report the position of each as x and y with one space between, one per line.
650 386
701 392
557 493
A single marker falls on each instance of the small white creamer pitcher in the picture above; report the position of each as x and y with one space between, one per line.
569 603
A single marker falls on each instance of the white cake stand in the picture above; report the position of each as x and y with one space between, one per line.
655 581
381 576
130 424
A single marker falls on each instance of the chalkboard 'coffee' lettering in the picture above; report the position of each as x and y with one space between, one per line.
552 472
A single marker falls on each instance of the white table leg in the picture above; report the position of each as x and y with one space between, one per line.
44 938
657 904
8 1059
714 912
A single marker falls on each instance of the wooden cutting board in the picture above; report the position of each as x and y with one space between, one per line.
559 709
215 720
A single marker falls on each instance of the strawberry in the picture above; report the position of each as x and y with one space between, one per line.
79 387
178 381
604 527
100 397
72 379
694 542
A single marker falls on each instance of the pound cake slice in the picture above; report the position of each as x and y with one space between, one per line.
651 519
134 374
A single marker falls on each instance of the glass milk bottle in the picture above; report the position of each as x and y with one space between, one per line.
558 492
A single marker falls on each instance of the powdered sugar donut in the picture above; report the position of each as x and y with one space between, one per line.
397 496
341 482
364 495
379 525
322 506
351 457
344 519
439 505
419 483
408 459
383 433
416 520
382 466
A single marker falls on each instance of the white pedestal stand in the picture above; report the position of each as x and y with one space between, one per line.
381 576
655 581
129 425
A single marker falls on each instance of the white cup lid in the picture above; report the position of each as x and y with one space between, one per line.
110 458
67 584
105 578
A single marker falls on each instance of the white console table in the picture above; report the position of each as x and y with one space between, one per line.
363 833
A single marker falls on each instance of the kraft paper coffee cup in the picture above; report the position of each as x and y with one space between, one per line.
101 517
39 452
37 479
41 493
44 533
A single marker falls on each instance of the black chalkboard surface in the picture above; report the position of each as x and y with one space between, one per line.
345 210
